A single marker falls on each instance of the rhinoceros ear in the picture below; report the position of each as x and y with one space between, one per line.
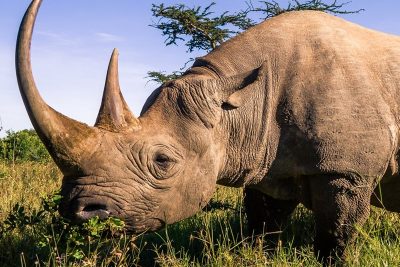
240 87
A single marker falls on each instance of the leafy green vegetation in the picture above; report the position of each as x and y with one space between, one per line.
23 145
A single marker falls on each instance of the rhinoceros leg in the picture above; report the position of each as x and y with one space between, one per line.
339 204
266 215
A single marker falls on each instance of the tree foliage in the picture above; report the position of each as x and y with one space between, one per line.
23 145
198 26
272 8
161 76
200 29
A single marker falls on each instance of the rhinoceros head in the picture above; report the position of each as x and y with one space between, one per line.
149 171
155 169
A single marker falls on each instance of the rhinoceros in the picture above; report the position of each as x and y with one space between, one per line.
302 108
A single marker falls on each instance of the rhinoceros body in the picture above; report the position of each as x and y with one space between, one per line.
302 108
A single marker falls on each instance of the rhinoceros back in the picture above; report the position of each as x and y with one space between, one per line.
337 86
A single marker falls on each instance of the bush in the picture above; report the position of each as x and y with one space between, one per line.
23 145
55 241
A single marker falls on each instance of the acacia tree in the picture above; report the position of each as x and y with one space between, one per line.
201 29
272 8
198 27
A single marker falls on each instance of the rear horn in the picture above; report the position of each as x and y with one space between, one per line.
114 114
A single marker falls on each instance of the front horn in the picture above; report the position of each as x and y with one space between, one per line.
65 139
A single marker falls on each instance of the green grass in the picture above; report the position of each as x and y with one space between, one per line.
215 237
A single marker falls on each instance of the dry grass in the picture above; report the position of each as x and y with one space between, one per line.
26 183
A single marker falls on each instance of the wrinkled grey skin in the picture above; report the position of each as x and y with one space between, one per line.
302 108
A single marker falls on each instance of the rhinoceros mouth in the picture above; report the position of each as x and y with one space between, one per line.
80 210
82 202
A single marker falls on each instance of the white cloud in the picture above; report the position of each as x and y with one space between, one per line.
106 37
58 38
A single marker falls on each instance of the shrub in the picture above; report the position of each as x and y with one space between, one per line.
55 241
23 145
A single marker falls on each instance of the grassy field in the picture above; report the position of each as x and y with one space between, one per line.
214 237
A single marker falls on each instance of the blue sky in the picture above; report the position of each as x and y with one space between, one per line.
73 41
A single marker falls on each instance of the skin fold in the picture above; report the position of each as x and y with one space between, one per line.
301 108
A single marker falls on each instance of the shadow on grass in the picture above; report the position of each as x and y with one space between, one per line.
219 227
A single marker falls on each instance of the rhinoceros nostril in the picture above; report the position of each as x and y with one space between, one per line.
91 211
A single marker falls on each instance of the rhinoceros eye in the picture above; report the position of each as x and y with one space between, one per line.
164 163
162 160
